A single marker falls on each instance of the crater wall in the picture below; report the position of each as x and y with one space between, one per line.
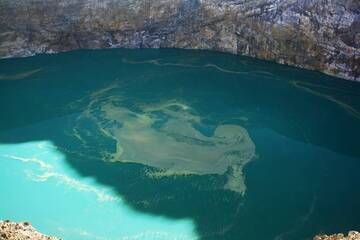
322 35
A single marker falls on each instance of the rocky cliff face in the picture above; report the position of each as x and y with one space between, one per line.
315 34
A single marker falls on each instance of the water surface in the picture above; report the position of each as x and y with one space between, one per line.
175 144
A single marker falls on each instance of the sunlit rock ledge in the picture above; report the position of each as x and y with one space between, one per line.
311 34
20 231
352 235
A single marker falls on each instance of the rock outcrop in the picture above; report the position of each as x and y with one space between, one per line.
322 35
352 235
24 231
20 231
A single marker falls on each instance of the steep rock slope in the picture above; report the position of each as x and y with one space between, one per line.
322 35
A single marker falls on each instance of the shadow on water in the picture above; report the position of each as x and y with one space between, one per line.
305 127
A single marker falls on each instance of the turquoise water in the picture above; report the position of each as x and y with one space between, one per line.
177 144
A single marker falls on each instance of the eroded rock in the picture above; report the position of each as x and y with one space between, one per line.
20 231
312 34
352 235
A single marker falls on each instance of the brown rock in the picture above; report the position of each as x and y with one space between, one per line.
352 235
15 231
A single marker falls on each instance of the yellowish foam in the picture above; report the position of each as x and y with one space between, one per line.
174 147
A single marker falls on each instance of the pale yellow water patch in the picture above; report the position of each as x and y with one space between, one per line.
175 147
20 75
161 173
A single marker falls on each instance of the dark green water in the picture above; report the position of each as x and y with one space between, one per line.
246 149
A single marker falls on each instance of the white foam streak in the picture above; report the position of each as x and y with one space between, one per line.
48 172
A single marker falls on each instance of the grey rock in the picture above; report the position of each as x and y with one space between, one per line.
322 35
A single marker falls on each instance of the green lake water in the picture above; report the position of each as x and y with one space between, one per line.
177 144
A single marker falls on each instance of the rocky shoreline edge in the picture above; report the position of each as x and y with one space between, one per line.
23 231
352 235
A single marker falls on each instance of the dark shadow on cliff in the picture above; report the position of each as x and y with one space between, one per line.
38 107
